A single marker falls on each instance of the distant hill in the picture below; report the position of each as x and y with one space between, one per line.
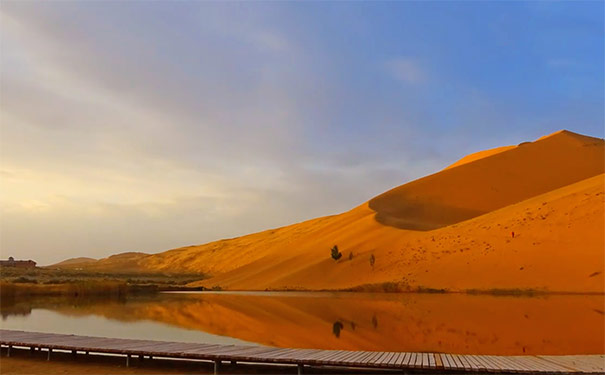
450 230
124 262
73 262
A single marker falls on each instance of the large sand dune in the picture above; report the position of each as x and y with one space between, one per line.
450 230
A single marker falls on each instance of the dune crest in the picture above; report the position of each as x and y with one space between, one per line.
491 182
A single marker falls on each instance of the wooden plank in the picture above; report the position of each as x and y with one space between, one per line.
52 340
335 354
488 363
465 363
576 363
412 360
526 364
424 360
296 356
402 361
350 357
199 351
337 358
540 365
311 354
456 361
33 338
373 357
418 362
384 362
477 365
470 360
172 349
446 362
508 364
358 360
450 361
377 361
390 360
491 365
573 362
251 354
393 361
281 353
438 362
322 355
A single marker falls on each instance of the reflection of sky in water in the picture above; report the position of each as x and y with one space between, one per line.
41 320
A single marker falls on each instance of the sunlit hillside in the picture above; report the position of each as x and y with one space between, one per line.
519 217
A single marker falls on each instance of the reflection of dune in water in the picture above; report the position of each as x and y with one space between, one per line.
455 323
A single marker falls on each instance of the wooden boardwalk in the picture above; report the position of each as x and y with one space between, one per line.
429 362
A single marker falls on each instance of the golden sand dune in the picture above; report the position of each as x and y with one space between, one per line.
496 180
450 230
480 155
75 262
123 262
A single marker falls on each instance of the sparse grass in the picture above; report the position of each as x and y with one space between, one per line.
45 281
508 292
99 288
60 276
386 287
422 289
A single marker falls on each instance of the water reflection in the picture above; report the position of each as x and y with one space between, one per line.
455 323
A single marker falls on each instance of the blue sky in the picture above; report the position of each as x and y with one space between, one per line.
143 126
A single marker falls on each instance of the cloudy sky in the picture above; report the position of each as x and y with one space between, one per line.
144 126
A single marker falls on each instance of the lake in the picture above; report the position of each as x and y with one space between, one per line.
452 323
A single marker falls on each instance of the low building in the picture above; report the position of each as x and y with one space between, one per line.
11 262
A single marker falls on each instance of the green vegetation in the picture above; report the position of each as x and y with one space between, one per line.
508 292
335 253
45 281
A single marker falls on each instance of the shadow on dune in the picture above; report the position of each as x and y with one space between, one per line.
417 215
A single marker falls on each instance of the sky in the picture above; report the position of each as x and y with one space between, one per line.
146 126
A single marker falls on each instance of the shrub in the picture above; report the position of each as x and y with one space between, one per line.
25 280
335 253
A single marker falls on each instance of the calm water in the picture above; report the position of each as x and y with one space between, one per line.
394 322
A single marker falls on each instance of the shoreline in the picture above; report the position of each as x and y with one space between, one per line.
117 289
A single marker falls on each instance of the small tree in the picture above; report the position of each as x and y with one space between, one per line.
335 253
372 260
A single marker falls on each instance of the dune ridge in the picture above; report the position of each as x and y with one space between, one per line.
450 230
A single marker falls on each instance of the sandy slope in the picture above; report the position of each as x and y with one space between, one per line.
448 230
480 155
492 182
75 262
558 245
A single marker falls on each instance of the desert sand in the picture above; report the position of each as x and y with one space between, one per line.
451 230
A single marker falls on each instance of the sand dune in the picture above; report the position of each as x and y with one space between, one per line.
491 182
75 262
449 230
